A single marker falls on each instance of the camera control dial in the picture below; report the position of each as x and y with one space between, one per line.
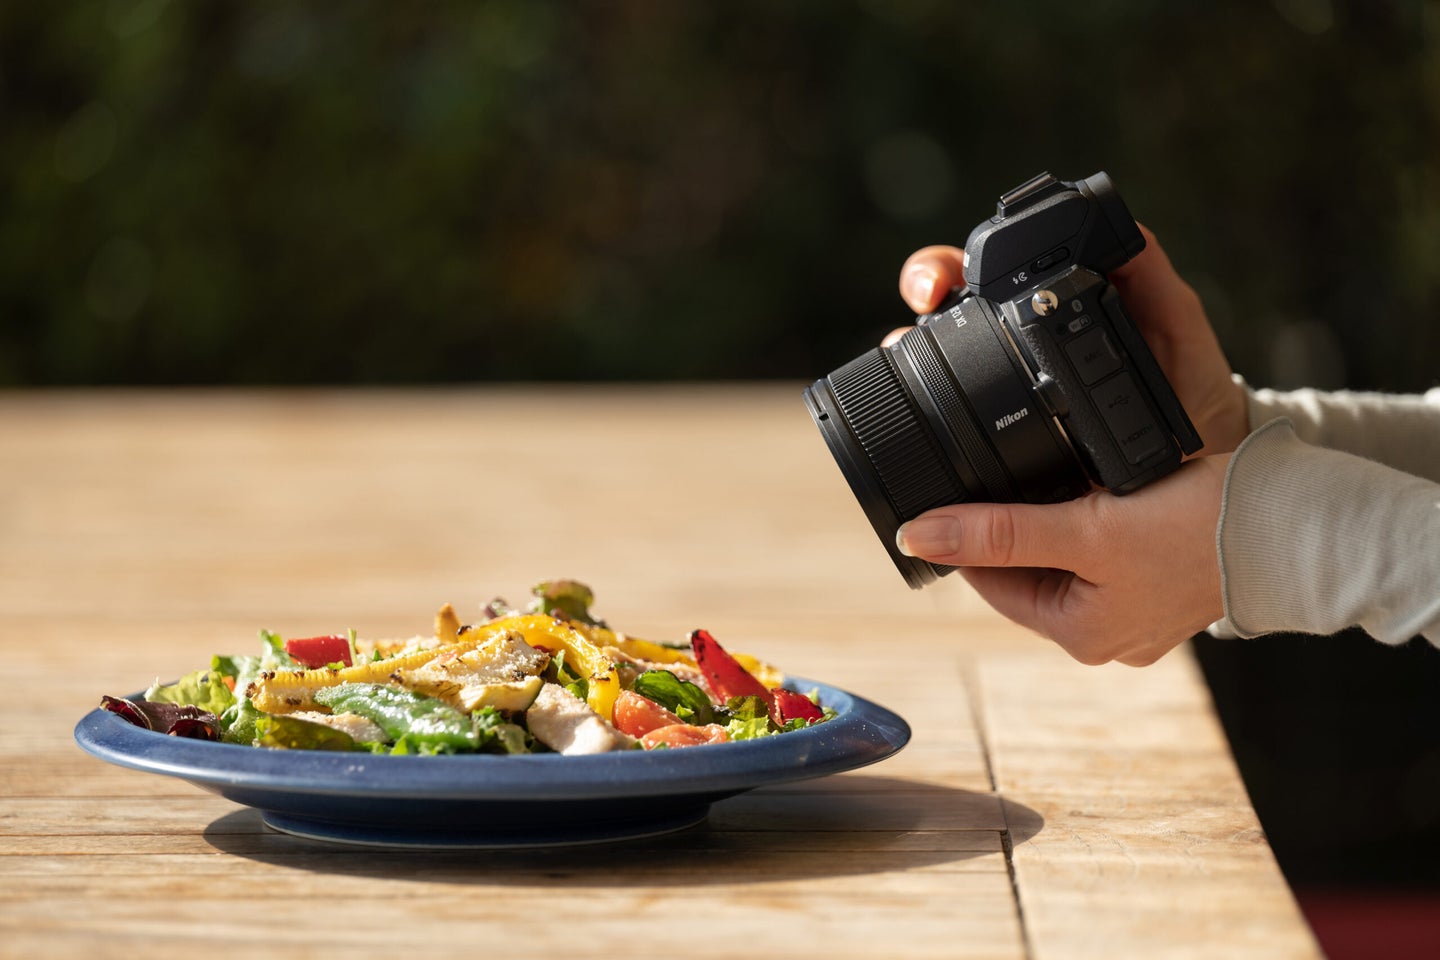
1045 302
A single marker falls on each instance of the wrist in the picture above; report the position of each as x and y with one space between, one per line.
1228 424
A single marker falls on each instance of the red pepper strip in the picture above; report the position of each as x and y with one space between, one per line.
791 705
314 652
724 675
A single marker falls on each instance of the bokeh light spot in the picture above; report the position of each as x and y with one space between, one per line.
910 175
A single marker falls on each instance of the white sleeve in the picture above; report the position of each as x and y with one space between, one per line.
1399 430
1313 540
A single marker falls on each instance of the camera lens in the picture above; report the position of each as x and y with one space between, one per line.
947 414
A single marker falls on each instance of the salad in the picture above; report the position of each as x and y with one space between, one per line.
549 678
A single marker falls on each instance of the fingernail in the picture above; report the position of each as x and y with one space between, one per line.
920 286
929 537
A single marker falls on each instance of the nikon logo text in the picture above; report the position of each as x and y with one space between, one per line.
1010 418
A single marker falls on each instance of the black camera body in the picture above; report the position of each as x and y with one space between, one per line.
1042 260
1029 384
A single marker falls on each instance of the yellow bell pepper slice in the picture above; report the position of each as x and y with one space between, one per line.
770 677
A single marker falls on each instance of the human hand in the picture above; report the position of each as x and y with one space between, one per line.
1105 577
1168 314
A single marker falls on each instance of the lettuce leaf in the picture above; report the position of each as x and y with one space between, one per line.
681 697
237 723
498 735
569 598
203 688
747 708
234 666
274 655
751 728
749 718
239 719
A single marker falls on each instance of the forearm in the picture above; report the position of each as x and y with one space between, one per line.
1313 540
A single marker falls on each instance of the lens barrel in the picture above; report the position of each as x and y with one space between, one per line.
944 415
887 452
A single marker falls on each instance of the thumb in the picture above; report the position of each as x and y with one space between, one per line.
1000 534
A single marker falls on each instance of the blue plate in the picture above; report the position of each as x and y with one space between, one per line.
488 801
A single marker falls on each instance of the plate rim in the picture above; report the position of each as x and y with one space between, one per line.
862 732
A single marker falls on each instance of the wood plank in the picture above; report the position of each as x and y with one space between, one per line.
970 920
1148 846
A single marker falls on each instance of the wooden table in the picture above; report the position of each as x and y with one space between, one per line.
1042 809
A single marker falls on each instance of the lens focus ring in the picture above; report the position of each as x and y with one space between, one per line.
957 415
899 446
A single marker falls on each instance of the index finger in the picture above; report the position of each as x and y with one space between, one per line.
929 274
1054 535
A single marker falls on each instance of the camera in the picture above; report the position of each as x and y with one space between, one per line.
1029 384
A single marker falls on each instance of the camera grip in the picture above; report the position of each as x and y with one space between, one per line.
1173 412
1088 434
1109 414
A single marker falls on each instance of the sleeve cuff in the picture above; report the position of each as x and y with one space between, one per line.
1313 541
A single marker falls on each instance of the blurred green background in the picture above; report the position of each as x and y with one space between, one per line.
224 192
